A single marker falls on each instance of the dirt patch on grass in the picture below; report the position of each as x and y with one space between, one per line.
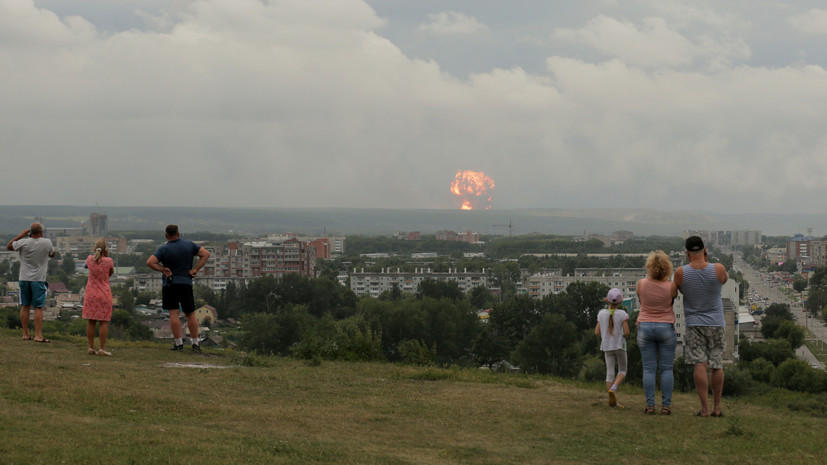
192 365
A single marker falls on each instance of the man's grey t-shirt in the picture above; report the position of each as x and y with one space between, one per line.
34 258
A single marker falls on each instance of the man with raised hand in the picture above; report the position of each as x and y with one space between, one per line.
174 260
700 282
35 252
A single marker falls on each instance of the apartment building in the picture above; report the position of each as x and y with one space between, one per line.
260 258
81 246
726 238
334 245
375 283
807 250
549 282
467 236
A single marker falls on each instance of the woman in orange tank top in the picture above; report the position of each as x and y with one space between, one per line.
656 336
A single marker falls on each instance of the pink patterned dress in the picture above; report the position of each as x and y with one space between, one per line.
97 302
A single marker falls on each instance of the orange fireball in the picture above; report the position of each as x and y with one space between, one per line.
474 188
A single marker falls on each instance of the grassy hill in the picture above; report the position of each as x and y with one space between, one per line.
147 405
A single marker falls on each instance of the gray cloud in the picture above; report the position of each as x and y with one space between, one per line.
324 103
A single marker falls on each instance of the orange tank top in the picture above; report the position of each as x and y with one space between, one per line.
655 301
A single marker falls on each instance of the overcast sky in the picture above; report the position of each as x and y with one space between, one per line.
672 105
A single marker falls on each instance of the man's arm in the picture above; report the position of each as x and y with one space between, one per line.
156 265
678 278
720 272
9 246
203 255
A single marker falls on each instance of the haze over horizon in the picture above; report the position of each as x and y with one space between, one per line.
664 105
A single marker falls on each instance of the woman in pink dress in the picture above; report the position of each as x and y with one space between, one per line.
97 303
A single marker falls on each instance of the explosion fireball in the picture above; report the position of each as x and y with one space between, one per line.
474 188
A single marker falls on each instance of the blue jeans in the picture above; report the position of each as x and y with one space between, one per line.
657 343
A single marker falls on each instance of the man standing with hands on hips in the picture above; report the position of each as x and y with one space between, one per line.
35 252
700 282
174 260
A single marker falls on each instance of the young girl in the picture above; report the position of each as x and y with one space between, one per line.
97 303
613 327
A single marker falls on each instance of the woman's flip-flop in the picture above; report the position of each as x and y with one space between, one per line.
42 341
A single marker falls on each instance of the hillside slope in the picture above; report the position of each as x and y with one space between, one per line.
150 406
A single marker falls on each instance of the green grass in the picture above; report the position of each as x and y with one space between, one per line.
60 405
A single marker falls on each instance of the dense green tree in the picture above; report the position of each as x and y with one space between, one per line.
508 271
779 310
490 347
761 369
437 289
67 264
819 276
205 295
514 318
773 350
269 333
481 298
796 375
126 298
144 297
791 332
587 299
799 284
550 348
816 299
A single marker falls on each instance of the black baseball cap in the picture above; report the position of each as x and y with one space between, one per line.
694 243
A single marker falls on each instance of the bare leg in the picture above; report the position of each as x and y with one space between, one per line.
104 330
175 323
717 389
192 324
702 386
90 333
38 324
24 320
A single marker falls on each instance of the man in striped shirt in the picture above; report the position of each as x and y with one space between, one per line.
700 282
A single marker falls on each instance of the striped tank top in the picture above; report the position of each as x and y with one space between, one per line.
702 302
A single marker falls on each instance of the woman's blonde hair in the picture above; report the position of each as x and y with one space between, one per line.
658 266
100 248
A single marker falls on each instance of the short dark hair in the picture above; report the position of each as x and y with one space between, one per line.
694 243
171 230
36 228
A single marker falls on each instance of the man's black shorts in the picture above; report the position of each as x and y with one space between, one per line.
175 296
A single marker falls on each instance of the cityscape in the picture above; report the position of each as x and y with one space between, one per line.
382 232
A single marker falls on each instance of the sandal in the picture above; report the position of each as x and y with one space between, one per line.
665 410
103 352
92 351
650 410
612 398
42 341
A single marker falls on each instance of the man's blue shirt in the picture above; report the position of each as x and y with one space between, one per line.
177 255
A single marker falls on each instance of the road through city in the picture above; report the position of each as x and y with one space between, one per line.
767 292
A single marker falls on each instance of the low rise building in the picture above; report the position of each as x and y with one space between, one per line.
375 283
549 282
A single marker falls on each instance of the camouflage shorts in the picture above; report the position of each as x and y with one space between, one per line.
705 344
